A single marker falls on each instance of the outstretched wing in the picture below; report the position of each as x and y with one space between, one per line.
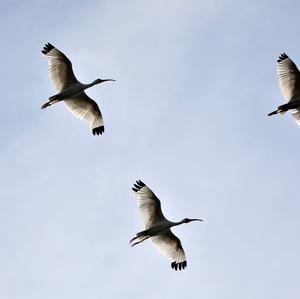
85 108
296 115
169 245
59 68
289 78
148 205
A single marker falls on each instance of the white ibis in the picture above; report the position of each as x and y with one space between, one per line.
289 82
71 91
157 227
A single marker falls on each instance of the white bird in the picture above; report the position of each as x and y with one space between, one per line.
157 227
289 82
71 91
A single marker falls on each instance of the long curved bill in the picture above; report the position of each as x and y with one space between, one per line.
104 80
196 220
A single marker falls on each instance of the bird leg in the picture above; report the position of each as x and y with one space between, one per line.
142 238
51 102
285 107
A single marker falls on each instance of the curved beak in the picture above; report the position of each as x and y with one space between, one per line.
103 80
196 220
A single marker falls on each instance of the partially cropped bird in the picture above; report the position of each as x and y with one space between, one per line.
157 227
71 91
289 82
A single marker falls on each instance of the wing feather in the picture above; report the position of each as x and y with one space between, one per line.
85 108
289 78
296 115
59 68
169 245
149 206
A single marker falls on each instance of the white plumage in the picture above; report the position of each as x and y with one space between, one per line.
289 82
288 76
157 227
71 91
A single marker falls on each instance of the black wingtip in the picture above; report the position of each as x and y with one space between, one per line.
180 266
98 130
47 48
138 186
282 57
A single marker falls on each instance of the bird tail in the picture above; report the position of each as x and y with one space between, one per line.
281 109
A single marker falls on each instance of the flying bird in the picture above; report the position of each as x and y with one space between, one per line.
157 227
71 91
289 82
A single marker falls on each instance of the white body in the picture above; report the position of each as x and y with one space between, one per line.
157 227
71 91
289 82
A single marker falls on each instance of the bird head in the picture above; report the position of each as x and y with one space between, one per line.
98 81
187 220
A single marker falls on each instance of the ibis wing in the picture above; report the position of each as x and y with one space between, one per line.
296 115
148 205
59 68
169 245
289 77
85 108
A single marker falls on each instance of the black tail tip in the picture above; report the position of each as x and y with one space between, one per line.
98 130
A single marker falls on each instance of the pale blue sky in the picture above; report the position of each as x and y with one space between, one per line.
187 115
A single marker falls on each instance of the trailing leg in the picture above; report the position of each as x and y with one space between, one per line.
140 237
284 108
50 102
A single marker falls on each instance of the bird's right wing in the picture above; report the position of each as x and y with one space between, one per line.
169 245
85 108
148 205
289 77
296 115
59 68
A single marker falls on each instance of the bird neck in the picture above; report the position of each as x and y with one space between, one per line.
89 85
177 223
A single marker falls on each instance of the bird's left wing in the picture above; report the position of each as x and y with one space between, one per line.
85 108
148 205
59 68
169 245
289 77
